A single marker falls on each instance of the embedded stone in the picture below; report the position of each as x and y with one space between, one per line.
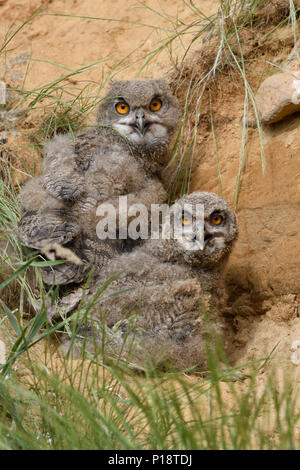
278 96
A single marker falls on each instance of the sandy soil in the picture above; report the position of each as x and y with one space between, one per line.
116 31
263 271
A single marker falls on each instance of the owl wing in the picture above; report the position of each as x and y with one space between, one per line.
65 162
41 230
44 219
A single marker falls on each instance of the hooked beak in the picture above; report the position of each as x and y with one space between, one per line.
202 239
140 125
207 236
199 240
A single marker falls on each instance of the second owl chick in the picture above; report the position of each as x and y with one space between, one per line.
123 154
168 287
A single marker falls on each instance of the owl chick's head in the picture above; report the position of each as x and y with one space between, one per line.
144 112
206 226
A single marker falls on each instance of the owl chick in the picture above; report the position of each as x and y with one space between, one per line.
123 154
171 291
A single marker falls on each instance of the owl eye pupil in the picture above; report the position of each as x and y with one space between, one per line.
122 108
155 104
216 219
186 220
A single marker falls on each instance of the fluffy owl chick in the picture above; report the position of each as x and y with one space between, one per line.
175 291
123 154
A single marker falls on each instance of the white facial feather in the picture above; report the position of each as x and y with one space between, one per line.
155 131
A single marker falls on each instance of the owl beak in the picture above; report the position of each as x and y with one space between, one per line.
199 239
203 238
201 244
140 125
207 236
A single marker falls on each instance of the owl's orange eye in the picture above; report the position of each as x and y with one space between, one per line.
155 104
122 107
186 220
216 219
